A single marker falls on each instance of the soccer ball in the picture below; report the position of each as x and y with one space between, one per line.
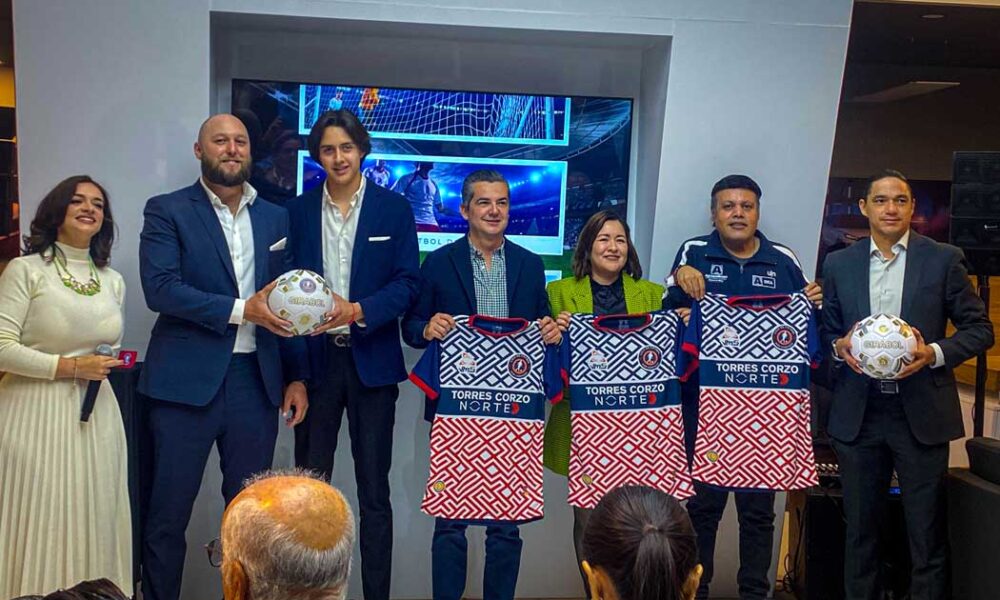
301 297
883 344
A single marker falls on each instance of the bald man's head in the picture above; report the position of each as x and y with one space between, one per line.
223 147
287 535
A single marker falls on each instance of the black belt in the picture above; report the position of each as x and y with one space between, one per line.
339 340
885 387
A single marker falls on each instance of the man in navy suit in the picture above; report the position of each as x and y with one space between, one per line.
213 368
905 423
362 239
480 273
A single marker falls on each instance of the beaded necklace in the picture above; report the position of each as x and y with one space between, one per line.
91 287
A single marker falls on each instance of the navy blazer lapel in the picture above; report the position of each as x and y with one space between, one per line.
862 276
261 250
911 275
366 220
203 208
463 266
314 231
514 261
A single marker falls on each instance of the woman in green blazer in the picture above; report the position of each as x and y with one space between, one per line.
607 279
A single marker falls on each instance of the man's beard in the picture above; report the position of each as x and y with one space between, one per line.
215 174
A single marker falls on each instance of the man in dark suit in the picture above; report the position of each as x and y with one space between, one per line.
480 273
905 423
213 368
362 239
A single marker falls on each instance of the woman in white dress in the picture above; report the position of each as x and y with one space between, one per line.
64 505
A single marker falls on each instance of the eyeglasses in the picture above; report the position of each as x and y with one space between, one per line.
214 551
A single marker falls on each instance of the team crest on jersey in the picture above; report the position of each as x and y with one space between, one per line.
716 274
438 486
649 358
587 480
730 338
597 360
519 365
712 456
467 364
764 281
783 337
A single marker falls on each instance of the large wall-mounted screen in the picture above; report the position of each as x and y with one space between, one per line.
565 157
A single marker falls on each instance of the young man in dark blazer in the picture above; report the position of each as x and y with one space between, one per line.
479 273
903 424
362 239
213 370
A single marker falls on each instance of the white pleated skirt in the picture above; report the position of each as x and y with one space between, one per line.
64 505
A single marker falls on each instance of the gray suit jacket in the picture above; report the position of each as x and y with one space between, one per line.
936 289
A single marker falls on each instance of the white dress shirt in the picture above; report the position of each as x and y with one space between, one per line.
885 284
238 231
338 245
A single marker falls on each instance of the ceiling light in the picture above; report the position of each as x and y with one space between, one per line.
932 16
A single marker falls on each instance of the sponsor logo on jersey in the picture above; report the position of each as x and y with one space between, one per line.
649 358
730 338
597 360
764 281
467 364
783 337
519 365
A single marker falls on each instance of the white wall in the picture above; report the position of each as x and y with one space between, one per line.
118 88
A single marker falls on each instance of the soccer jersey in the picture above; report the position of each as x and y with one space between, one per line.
490 378
753 354
625 411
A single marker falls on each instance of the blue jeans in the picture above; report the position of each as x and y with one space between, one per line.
449 560
755 511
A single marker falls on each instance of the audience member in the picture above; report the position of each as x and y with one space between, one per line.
287 536
639 545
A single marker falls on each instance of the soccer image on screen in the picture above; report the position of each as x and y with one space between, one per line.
565 158
442 116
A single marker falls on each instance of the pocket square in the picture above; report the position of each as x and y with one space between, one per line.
279 245
380 238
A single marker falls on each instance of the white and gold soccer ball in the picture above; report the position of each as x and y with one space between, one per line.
883 344
301 297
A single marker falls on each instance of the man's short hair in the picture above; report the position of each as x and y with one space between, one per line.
347 121
735 182
278 565
886 174
481 176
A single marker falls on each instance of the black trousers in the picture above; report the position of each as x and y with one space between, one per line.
885 442
755 511
371 415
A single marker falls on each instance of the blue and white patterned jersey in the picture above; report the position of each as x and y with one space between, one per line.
625 410
754 355
490 378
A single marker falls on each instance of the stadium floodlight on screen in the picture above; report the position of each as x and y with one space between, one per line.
537 195
481 117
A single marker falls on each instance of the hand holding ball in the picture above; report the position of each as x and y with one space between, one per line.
883 345
302 298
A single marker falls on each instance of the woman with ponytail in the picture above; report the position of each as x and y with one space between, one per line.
639 545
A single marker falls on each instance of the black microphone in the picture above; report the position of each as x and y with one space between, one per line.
94 386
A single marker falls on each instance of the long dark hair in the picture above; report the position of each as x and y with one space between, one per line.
643 539
51 214
585 242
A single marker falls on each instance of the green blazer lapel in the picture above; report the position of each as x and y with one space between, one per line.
583 300
633 295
